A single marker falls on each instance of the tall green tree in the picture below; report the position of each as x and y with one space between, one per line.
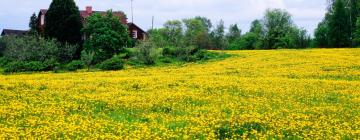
256 27
197 32
218 36
173 31
357 31
339 25
322 34
33 24
63 22
234 33
106 36
277 24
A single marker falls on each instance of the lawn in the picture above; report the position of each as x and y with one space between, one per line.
291 94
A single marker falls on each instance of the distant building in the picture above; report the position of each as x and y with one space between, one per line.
135 31
6 32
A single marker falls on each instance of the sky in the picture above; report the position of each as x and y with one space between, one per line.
15 14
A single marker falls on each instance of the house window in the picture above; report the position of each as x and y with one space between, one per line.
42 20
134 34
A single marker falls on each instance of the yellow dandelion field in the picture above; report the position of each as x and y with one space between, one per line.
275 94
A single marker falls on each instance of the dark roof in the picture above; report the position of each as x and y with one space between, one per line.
13 32
133 24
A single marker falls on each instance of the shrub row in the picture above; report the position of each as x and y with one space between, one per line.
20 66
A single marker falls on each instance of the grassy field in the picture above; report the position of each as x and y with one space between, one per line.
277 94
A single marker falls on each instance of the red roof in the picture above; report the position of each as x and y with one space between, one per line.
84 14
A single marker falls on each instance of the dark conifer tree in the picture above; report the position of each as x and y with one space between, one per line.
63 22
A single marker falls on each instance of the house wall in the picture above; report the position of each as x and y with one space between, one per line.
141 35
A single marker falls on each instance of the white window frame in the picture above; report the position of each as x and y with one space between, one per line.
135 34
42 20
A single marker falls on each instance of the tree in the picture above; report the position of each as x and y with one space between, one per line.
321 34
277 24
339 26
106 36
218 36
256 27
197 32
248 41
173 32
257 30
63 22
33 24
357 33
157 36
234 33
205 22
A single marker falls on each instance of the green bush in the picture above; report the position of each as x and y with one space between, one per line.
169 51
67 53
114 63
30 48
4 61
75 65
189 54
50 65
15 67
19 66
146 53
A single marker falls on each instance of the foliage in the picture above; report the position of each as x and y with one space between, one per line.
277 24
106 36
339 26
158 38
197 32
114 63
321 34
234 34
21 66
251 40
252 95
357 33
87 58
63 22
75 65
33 25
67 52
4 61
257 27
30 48
146 53
173 32
218 37
233 37
247 42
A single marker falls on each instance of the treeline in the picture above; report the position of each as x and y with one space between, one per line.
68 43
341 25
276 30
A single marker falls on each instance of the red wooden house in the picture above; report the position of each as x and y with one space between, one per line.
135 31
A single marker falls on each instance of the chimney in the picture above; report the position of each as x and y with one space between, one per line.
89 9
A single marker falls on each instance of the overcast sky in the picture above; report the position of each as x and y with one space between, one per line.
14 14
